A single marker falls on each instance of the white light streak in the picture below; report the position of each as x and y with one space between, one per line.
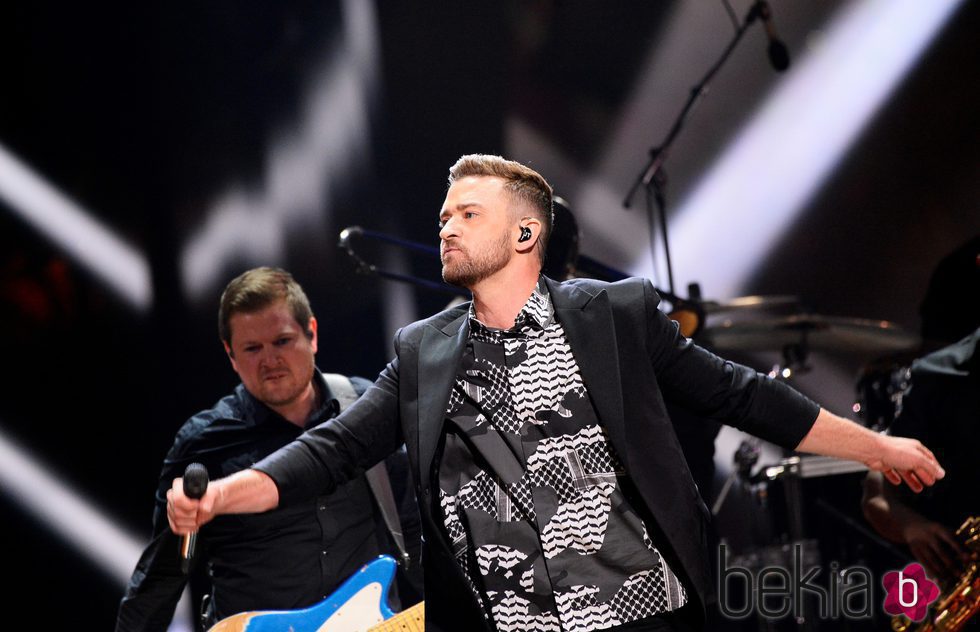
74 229
752 194
303 166
66 513
76 520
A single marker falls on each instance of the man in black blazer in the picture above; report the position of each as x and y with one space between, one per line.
553 491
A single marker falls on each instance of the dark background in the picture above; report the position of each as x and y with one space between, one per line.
149 116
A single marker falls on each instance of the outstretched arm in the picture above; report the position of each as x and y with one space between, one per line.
248 491
898 458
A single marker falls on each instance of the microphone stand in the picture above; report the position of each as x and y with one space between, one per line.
652 177
363 267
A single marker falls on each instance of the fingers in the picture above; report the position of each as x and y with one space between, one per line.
954 545
912 481
943 564
926 475
182 512
910 461
931 470
936 548
946 561
928 560
893 476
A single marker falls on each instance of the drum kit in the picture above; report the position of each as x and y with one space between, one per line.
750 324
787 491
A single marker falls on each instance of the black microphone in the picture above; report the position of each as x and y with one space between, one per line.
778 53
195 484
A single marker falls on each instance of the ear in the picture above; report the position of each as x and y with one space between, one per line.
311 332
534 225
231 355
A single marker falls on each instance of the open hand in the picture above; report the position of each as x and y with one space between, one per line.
903 459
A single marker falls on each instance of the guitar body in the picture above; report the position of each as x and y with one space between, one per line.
359 605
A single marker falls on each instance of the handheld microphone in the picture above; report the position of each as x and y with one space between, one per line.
195 484
778 53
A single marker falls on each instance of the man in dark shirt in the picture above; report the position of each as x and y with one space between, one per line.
287 558
553 492
942 409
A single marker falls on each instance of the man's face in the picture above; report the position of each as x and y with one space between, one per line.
273 355
477 228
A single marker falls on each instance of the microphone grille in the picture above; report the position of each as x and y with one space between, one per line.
195 480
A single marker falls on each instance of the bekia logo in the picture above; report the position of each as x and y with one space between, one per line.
774 591
909 592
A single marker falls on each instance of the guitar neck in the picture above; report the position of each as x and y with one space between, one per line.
411 620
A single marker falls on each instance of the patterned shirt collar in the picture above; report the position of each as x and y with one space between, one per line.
537 314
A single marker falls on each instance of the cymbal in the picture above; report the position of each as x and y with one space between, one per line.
751 302
829 333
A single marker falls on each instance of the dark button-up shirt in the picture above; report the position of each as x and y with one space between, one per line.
531 488
942 410
286 558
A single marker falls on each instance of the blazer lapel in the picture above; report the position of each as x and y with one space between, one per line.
589 326
439 354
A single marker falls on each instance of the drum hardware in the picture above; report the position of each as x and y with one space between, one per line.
790 547
868 535
780 555
790 472
793 469
754 303
794 362
746 456
808 466
812 332
881 388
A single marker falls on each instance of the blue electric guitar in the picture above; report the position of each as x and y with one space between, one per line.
359 605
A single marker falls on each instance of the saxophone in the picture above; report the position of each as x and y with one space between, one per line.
961 598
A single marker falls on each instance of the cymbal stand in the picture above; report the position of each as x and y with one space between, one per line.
788 470
746 456
794 360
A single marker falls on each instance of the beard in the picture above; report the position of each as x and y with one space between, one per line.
466 271
282 395
287 389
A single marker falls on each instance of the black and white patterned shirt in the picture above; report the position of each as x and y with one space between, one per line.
532 492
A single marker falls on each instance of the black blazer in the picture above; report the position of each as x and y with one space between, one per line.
631 357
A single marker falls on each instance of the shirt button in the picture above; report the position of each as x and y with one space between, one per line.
323 507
